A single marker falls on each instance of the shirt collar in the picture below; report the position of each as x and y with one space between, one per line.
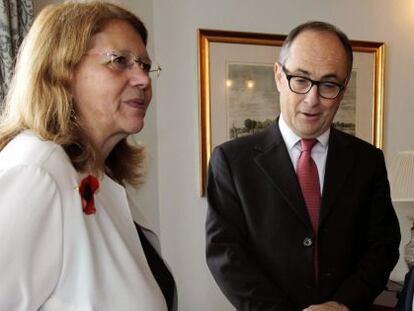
291 139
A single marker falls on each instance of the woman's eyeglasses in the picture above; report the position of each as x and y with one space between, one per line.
122 61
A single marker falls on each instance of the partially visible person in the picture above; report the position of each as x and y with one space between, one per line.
406 297
70 237
300 215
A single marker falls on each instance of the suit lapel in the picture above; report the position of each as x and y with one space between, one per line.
274 161
339 162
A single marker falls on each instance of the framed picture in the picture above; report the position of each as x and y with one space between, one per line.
238 95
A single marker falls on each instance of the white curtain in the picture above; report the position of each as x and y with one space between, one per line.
15 19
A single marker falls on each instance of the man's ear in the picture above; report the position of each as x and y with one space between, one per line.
278 73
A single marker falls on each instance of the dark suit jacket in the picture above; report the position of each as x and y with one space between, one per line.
259 237
405 300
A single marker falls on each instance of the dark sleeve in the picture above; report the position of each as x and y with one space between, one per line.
405 298
228 257
383 239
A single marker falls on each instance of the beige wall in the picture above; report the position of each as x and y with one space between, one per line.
171 197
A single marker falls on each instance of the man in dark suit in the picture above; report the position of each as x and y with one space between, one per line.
300 215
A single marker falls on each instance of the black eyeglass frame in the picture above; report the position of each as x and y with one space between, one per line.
313 82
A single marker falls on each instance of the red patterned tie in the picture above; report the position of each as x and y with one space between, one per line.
307 173
308 176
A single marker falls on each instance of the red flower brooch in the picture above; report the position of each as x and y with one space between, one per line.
87 188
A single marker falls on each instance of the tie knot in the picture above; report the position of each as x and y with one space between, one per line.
307 144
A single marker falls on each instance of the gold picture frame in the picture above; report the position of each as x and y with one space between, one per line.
222 53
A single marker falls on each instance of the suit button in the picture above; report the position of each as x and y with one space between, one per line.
307 242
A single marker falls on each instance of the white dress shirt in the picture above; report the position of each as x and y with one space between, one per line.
319 151
54 257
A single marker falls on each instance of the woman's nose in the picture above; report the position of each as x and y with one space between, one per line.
138 76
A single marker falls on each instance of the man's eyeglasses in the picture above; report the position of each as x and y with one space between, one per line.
302 85
125 60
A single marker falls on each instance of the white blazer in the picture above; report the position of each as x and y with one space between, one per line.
55 257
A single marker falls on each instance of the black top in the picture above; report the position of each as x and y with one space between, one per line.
158 268
405 299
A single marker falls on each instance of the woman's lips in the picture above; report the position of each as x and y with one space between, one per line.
136 103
